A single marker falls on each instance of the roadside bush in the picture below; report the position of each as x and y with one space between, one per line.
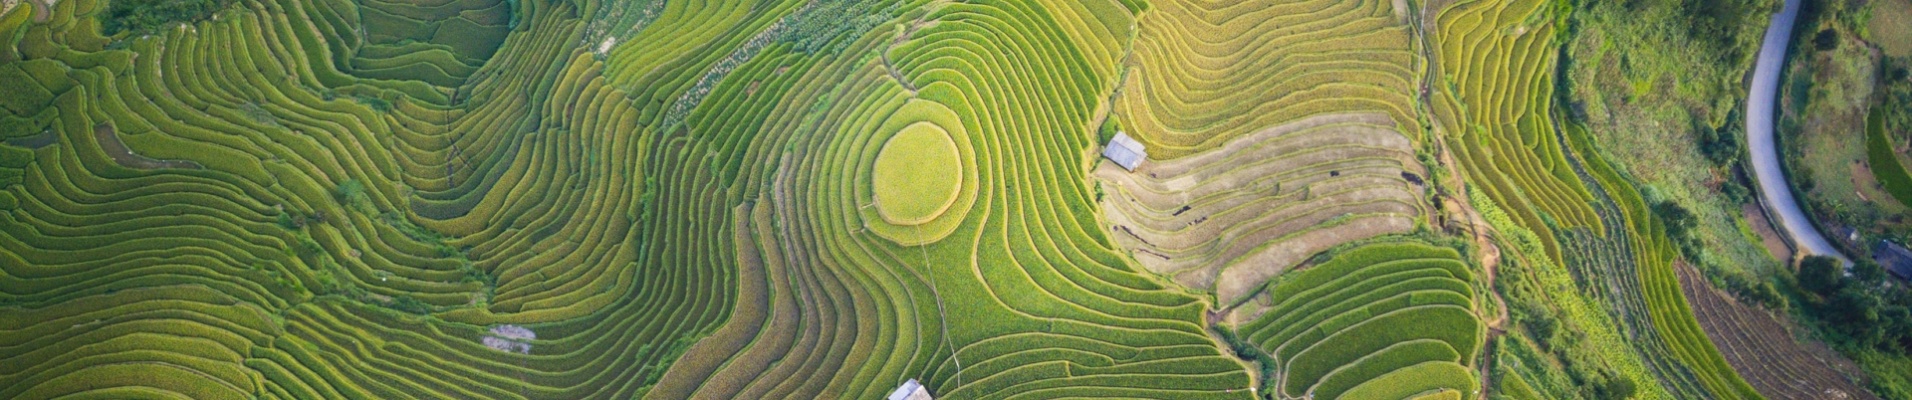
1820 274
1756 290
1720 24
1722 144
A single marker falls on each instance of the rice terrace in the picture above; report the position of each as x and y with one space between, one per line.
955 199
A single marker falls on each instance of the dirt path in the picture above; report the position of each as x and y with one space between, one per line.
1478 229
1490 256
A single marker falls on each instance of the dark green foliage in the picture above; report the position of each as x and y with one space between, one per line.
1723 144
1862 311
150 15
1854 311
1616 388
473 274
287 221
378 104
832 24
1107 132
1756 290
1895 105
409 304
1247 351
1719 25
309 247
1820 274
1680 226
1524 303
327 281
1600 383
351 194
1826 40
1868 272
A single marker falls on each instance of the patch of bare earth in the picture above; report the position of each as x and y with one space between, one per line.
1756 217
42 10
1765 351
1229 219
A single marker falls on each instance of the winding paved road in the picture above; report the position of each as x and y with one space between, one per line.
1759 132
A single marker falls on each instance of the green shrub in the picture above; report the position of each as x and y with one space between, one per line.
1821 274
150 15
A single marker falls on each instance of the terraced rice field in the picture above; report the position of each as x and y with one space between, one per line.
352 235
1493 98
1202 73
1494 104
1230 218
1883 162
1337 329
783 199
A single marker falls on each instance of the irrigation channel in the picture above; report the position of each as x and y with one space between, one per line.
1759 131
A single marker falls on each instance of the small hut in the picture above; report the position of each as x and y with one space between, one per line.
910 390
1895 258
1125 151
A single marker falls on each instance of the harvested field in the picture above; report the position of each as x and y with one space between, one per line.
1765 351
1229 218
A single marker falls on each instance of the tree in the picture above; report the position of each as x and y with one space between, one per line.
149 15
1821 274
1868 271
1826 40
1858 314
1680 224
1617 387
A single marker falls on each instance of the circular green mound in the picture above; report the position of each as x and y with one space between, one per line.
917 175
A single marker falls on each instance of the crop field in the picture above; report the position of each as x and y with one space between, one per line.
1493 103
1884 163
1766 352
1494 111
1203 72
1335 329
802 199
1230 218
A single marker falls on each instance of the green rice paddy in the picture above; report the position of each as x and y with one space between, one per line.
790 199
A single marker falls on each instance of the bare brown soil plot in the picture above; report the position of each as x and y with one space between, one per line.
1774 244
1230 218
1762 349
